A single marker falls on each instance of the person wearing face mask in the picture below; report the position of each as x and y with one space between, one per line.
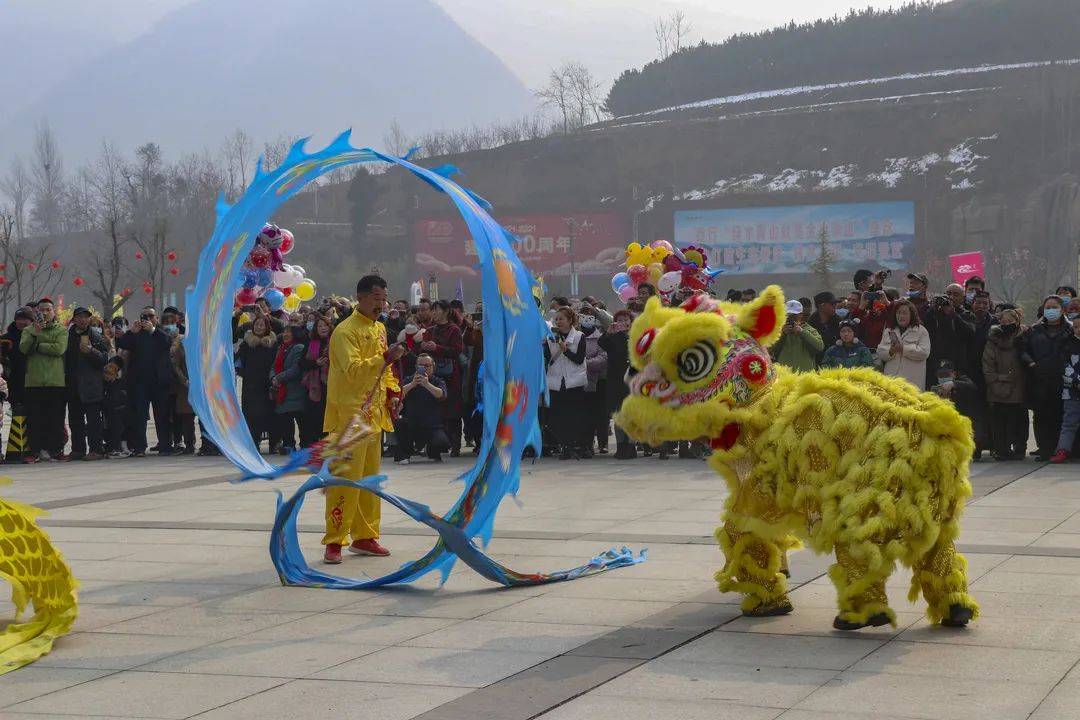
918 289
567 376
149 378
972 287
951 330
960 390
1041 350
982 321
1067 294
1070 395
598 422
183 414
85 358
1006 386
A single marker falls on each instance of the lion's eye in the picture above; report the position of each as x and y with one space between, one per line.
696 362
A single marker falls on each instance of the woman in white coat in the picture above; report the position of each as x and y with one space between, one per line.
905 346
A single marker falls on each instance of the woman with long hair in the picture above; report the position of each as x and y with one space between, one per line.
316 368
905 345
290 395
254 362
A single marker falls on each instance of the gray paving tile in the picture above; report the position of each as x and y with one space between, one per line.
578 611
264 658
518 636
113 651
30 682
331 698
362 629
591 707
772 687
930 698
143 694
202 621
970 662
776 651
434 666
1014 632
643 643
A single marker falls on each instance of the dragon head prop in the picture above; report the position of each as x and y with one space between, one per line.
698 363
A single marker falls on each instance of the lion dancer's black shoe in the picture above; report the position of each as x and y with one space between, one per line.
958 617
877 620
780 606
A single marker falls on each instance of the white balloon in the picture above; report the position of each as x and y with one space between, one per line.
669 281
296 278
282 278
297 268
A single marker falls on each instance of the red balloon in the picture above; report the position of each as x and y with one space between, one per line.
287 242
78 282
32 266
138 255
638 274
55 264
286 291
171 255
246 296
259 258
148 289
174 271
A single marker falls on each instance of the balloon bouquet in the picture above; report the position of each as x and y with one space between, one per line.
665 267
267 276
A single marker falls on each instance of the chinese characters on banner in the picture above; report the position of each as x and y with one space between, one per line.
545 243
965 265
786 240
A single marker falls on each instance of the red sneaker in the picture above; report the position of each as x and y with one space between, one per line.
332 556
1059 457
368 547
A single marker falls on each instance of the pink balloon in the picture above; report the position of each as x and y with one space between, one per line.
638 274
662 244
627 293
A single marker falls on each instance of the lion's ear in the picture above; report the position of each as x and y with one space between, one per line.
763 318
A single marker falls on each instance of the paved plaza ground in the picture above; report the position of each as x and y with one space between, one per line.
181 613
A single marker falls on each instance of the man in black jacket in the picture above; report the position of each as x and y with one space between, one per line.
85 358
961 390
951 329
615 344
149 377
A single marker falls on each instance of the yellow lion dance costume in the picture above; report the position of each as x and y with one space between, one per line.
847 461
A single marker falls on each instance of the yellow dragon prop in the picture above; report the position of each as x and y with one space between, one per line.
37 574
847 461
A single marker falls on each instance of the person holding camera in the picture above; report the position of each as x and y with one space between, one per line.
952 332
824 319
1006 391
84 362
473 339
149 378
960 390
420 421
905 346
444 343
918 289
564 357
799 343
44 343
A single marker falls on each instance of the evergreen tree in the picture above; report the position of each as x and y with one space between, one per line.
823 264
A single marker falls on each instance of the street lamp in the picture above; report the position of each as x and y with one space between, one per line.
571 226
433 287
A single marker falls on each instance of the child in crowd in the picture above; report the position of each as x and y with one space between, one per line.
116 409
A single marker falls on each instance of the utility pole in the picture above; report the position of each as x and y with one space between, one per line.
571 226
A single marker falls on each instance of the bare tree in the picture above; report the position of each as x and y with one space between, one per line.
395 141
671 33
47 177
108 262
275 151
572 91
18 187
239 154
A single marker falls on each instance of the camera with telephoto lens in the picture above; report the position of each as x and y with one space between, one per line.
883 275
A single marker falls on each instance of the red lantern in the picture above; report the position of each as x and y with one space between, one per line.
3 280
55 264
78 282
138 255
32 266
3 266
174 271
171 255
148 289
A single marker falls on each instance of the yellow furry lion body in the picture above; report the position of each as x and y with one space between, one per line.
849 462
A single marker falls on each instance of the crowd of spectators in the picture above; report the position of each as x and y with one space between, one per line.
86 389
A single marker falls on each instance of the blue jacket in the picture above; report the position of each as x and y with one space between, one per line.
848 356
290 376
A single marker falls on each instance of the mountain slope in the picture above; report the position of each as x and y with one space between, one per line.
311 67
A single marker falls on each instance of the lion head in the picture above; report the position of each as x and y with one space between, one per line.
696 363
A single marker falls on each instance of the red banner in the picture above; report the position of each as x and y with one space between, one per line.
595 242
